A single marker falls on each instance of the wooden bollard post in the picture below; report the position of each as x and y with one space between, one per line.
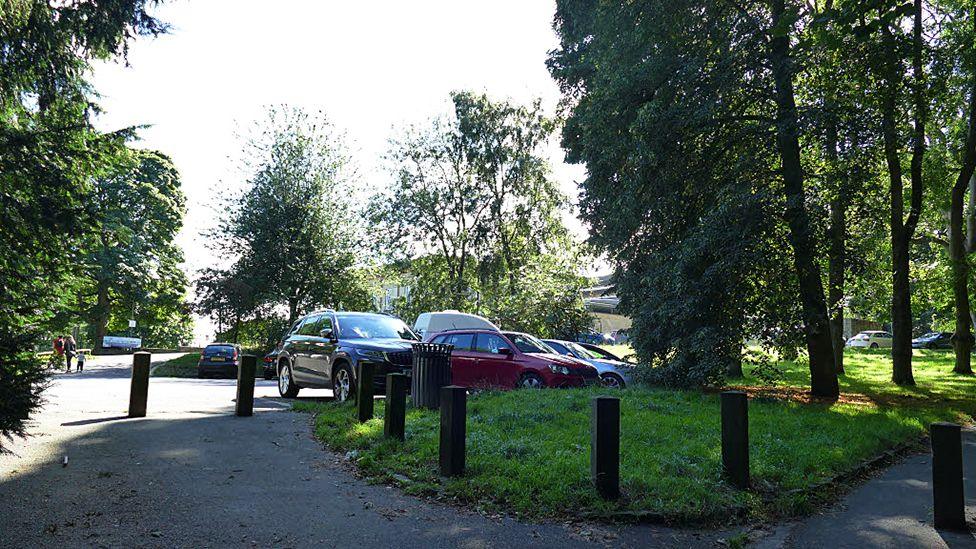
947 486
735 438
395 417
139 387
453 427
364 391
605 446
245 385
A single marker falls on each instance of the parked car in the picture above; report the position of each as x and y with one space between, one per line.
613 373
324 350
440 321
620 336
510 360
933 340
600 352
872 339
269 364
219 359
594 337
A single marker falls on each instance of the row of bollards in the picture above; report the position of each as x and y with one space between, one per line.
947 474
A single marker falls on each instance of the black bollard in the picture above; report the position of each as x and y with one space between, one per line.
139 388
605 446
395 417
245 385
947 487
364 391
453 425
735 438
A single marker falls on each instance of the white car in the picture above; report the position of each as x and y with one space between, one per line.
872 339
432 323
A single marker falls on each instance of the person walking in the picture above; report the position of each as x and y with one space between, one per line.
70 350
81 362
58 351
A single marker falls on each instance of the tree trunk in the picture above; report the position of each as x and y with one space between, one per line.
292 310
823 376
103 309
836 259
962 339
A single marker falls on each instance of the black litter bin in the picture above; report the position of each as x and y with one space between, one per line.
431 371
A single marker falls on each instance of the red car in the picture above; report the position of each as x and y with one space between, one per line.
489 359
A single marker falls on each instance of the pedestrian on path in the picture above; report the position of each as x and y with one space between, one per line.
70 350
81 361
57 348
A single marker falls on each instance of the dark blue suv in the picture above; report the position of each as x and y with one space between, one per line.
324 349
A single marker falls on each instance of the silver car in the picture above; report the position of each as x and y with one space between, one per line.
613 373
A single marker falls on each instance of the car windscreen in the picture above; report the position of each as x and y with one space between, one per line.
529 344
370 326
580 351
218 350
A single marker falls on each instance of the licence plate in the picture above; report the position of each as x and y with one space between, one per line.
217 359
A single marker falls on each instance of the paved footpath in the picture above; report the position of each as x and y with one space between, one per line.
193 475
893 510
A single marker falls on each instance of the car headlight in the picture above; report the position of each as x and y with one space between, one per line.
371 354
557 369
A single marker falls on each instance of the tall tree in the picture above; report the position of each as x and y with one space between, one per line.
50 153
138 209
675 108
292 232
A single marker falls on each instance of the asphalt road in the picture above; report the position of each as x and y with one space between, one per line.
191 474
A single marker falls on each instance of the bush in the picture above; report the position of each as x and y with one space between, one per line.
23 378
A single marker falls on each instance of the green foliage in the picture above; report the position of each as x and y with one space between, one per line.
528 453
50 155
473 223
292 232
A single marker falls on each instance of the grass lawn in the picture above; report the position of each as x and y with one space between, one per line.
528 451
181 366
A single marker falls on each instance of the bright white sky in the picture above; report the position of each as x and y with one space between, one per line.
371 65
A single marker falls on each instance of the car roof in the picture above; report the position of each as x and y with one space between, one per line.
222 344
467 330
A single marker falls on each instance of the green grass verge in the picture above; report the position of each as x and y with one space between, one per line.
528 451
181 366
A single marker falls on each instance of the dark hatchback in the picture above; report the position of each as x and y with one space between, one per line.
219 359
933 340
324 350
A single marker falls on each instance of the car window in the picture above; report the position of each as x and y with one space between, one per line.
324 323
490 343
529 344
580 351
310 326
461 342
559 348
373 326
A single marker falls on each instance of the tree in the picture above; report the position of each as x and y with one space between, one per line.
50 153
473 219
292 232
131 259
676 109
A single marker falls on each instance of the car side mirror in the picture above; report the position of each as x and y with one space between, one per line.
326 333
505 351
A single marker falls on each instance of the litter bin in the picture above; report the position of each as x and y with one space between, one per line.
431 371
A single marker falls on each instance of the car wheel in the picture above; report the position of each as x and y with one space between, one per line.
874 345
530 381
268 374
612 381
286 384
342 383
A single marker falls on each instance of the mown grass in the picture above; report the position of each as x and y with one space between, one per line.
181 366
528 451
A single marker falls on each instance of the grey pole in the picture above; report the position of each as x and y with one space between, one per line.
394 419
735 438
245 385
947 485
453 426
605 446
139 387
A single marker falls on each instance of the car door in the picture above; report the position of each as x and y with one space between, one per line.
302 350
320 350
495 367
464 364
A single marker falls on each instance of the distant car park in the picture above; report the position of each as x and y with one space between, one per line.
594 337
871 339
933 340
